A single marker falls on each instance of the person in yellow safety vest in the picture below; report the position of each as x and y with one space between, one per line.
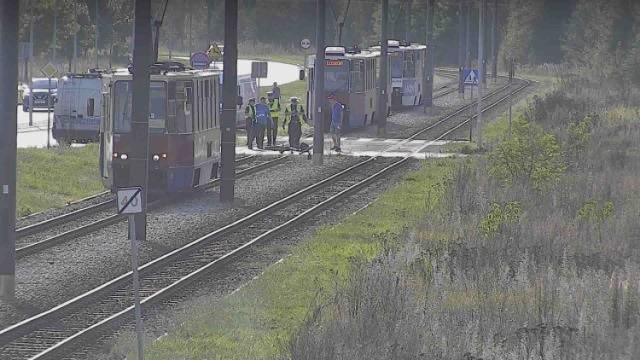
249 119
272 129
294 113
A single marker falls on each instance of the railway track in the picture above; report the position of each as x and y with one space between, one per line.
60 330
81 222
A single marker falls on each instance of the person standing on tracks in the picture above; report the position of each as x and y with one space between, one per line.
263 120
336 122
249 120
294 114
272 129
275 91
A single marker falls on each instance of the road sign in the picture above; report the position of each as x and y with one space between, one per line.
200 60
259 69
470 76
129 200
49 70
214 52
305 43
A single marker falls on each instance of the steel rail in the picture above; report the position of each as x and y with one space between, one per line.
38 246
11 333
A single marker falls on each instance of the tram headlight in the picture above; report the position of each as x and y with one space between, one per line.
124 156
115 155
164 156
156 158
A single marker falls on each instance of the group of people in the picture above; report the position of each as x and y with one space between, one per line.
263 118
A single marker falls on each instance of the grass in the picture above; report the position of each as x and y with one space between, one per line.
258 321
49 178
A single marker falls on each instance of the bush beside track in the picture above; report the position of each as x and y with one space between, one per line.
50 178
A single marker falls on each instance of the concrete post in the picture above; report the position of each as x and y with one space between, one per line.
319 96
9 16
229 101
381 114
140 108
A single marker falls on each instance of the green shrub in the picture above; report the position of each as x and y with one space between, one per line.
530 155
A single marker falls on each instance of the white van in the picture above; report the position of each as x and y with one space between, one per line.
78 109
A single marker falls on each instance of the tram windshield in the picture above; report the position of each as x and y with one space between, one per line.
123 92
396 65
336 76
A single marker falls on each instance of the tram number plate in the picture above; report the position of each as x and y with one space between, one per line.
129 200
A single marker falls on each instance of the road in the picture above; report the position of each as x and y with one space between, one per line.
36 135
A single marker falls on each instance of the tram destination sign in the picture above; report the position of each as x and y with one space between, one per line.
334 62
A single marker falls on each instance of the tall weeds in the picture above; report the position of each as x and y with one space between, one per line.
510 269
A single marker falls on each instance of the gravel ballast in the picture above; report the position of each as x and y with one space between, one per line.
58 274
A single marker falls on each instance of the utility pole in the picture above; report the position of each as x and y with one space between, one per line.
229 101
191 30
407 26
384 63
318 91
428 95
97 33
467 45
511 75
483 65
461 54
9 16
54 44
75 37
142 42
494 44
32 20
480 73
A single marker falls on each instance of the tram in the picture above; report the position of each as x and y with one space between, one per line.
351 76
184 128
406 68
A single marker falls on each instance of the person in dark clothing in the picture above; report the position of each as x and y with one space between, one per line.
249 119
272 131
294 114
263 120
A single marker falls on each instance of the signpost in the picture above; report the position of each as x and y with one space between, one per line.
214 52
49 71
129 201
200 60
259 70
305 43
470 77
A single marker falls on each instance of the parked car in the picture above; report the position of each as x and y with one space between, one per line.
40 93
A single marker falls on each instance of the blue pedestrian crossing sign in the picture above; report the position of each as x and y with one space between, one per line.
470 76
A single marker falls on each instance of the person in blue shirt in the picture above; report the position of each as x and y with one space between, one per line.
263 119
336 122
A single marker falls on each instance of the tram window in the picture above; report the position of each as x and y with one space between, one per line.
171 90
409 64
396 65
206 89
357 80
90 106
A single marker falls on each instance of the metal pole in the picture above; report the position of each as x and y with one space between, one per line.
229 101
136 286
467 45
97 33
511 74
428 97
384 64
480 72
494 41
319 96
54 43
49 115
75 37
9 16
190 30
140 108
461 35
32 21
